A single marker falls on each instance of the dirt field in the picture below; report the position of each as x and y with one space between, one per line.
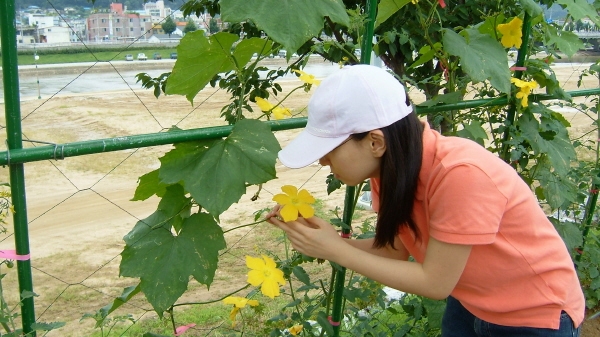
79 208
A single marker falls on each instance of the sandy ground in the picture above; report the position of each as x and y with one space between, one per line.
79 208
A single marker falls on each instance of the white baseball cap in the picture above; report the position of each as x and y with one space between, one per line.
355 99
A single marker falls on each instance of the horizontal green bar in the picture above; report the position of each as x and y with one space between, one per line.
61 151
502 100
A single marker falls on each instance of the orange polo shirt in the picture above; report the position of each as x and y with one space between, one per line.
519 272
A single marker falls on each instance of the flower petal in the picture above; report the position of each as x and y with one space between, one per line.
252 303
277 276
289 212
282 199
263 104
305 210
255 263
290 190
269 262
256 277
232 300
305 197
232 315
270 288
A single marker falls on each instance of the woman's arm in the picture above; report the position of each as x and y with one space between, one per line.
435 278
399 252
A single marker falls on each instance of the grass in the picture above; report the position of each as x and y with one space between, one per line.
115 55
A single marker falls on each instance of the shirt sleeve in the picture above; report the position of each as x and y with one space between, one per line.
465 206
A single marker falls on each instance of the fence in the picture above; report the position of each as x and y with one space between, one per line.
98 187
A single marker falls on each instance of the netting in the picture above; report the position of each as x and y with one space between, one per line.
79 208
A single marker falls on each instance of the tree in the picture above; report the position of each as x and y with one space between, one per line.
213 26
169 26
190 27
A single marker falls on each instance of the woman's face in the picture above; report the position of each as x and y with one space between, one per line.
354 161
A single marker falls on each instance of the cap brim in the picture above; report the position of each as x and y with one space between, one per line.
307 149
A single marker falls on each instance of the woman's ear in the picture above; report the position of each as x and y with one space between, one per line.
376 143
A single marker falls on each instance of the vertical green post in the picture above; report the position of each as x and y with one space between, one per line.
512 108
349 201
12 108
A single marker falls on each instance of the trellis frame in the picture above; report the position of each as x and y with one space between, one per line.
15 157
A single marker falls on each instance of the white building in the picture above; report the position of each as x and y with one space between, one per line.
157 10
41 20
54 35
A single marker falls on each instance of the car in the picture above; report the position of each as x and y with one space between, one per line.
157 56
142 57
173 56
282 53
128 57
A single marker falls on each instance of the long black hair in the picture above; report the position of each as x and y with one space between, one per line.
399 176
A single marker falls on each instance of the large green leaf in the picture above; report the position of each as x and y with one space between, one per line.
246 48
387 8
531 7
216 173
291 22
552 141
558 190
569 232
198 60
148 185
481 56
581 9
163 261
565 41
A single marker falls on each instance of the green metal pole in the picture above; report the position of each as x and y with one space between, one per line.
511 115
12 108
338 290
60 151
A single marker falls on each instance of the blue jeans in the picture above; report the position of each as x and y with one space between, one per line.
459 322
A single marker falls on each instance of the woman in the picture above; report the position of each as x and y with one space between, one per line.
473 227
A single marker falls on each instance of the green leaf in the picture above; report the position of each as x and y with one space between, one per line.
290 23
152 334
435 312
223 168
565 41
164 262
387 8
559 149
473 131
246 48
46 326
301 274
581 9
198 60
531 7
558 190
28 294
569 232
127 294
324 323
149 185
481 56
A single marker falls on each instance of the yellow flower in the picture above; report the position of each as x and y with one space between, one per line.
264 271
511 33
295 330
278 112
238 302
414 1
307 78
525 88
294 202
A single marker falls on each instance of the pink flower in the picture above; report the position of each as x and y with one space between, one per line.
442 3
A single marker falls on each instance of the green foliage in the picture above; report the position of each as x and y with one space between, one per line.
169 25
445 53
190 27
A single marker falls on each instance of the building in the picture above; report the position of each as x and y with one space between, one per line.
157 10
116 24
54 35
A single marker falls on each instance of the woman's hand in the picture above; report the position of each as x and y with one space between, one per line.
312 236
